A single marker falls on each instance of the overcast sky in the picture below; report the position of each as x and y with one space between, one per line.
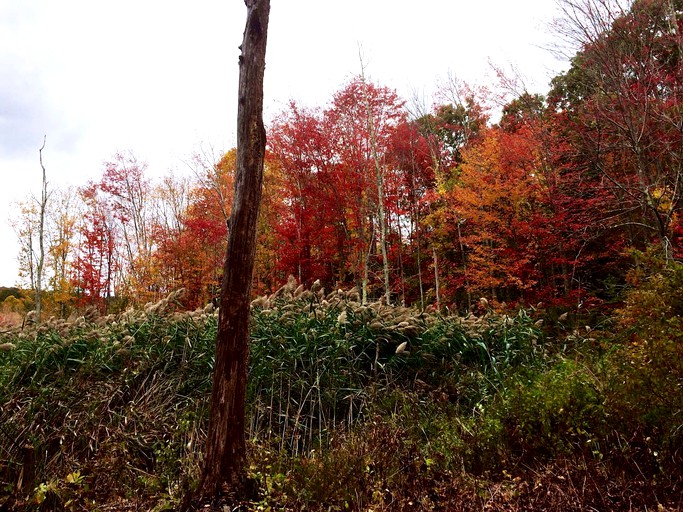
160 78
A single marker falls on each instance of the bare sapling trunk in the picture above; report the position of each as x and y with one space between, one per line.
379 180
41 238
224 462
437 289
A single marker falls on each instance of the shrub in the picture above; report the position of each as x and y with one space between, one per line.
645 369
551 413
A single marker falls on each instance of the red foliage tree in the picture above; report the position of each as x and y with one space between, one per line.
96 261
328 162
622 101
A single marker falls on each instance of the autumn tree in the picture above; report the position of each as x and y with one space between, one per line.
364 116
312 221
336 172
128 192
24 225
216 176
191 240
410 158
496 204
456 121
97 259
448 129
62 218
267 272
379 168
172 201
622 99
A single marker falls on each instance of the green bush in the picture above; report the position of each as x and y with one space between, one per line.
645 369
551 413
645 401
653 308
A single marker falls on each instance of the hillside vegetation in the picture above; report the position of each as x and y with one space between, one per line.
355 407
532 354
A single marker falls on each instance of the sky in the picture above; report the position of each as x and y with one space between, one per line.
159 79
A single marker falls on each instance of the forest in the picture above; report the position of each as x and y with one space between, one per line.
470 305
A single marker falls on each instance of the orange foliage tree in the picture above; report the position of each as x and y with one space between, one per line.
190 250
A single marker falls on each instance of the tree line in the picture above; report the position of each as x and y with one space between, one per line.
429 206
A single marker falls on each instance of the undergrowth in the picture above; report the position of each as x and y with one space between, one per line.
351 407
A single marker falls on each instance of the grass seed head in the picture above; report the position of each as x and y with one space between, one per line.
260 302
176 295
353 295
307 295
291 284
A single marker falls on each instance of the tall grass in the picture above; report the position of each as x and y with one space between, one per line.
113 391
350 405
318 361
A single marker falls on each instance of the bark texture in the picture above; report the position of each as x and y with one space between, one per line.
224 470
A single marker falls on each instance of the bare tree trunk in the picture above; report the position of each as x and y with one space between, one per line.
401 268
366 265
415 224
225 446
379 180
381 217
464 264
41 239
437 288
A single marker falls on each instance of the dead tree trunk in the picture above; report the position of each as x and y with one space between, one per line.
41 239
225 446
